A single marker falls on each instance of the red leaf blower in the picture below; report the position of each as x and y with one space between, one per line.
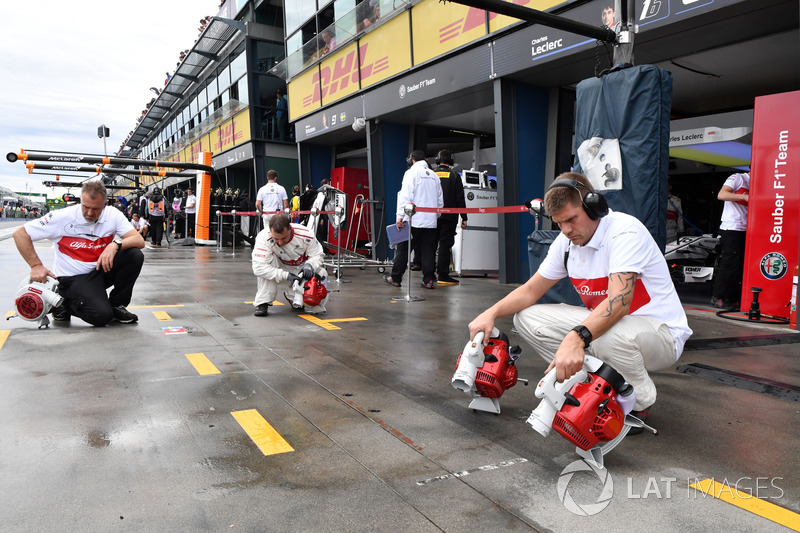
484 373
34 300
589 409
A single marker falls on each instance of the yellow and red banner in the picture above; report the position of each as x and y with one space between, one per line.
338 75
385 51
303 93
439 28
498 22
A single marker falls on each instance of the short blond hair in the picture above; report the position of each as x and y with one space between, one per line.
557 198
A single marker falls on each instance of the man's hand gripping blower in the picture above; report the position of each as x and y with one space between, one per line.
309 291
590 409
485 373
35 299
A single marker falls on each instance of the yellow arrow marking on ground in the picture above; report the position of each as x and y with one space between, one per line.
202 364
257 428
748 502
162 316
276 302
327 324
152 306
3 336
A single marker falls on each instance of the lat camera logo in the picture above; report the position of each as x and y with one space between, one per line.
586 509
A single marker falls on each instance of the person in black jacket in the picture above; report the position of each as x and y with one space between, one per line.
453 193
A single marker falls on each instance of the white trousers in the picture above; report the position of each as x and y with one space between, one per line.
633 346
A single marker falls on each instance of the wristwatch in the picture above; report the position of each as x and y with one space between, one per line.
118 242
584 333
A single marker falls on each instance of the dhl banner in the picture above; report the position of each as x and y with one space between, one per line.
498 22
385 52
338 75
303 93
440 28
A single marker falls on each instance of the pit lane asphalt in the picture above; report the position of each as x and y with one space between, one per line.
114 429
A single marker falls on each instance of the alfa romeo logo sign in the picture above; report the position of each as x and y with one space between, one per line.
774 266
402 91
585 509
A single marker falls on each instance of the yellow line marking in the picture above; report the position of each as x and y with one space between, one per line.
3 336
152 306
321 323
748 502
266 438
9 314
326 324
276 302
201 363
162 316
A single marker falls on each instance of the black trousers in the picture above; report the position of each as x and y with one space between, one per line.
156 228
447 238
424 243
728 282
85 295
190 217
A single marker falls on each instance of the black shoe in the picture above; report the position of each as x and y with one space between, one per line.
723 304
123 315
60 313
390 281
446 278
261 310
429 284
641 415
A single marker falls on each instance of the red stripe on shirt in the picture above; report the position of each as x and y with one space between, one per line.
83 250
594 291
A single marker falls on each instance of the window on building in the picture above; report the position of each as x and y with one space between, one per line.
242 91
238 67
297 12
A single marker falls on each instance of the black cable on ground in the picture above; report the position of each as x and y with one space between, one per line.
745 317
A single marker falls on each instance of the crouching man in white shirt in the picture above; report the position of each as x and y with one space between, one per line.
95 248
632 317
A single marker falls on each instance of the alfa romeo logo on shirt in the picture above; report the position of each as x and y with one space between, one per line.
774 266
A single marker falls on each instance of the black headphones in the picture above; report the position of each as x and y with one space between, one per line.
594 204
444 157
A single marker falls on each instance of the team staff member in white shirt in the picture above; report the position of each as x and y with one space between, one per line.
191 211
735 193
420 187
632 318
271 197
95 248
140 224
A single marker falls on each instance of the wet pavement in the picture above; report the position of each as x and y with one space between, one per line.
116 428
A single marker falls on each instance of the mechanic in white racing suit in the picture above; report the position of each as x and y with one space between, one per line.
284 252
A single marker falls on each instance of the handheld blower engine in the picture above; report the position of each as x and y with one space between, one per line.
34 300
590 409
311 292
485 373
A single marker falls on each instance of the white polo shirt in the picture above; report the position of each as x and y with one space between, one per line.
621 243
78 243
734 214
272 196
